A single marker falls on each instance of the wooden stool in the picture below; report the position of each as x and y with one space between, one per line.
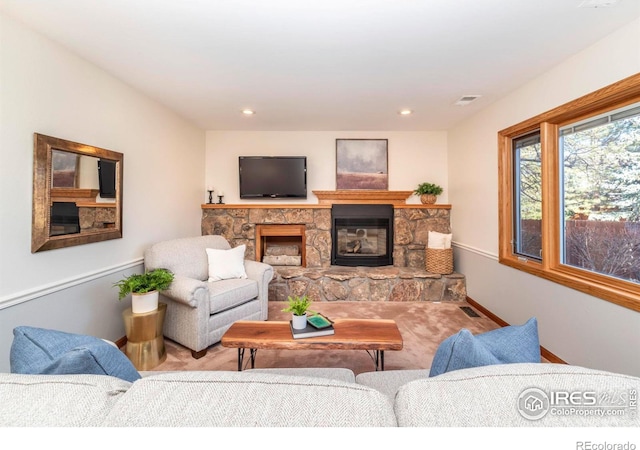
145 342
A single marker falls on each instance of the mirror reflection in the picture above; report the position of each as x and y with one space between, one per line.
77 194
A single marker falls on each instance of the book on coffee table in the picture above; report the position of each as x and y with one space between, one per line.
311 331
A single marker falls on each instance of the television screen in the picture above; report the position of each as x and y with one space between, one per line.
273 176
107 178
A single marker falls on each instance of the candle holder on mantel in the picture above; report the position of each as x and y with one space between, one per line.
210 195
220 202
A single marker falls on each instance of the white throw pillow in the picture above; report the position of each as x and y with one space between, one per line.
439 240
226 264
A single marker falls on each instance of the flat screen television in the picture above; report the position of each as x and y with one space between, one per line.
273 176
107 178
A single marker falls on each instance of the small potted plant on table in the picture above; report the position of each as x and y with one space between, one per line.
299 307
144 289
428 192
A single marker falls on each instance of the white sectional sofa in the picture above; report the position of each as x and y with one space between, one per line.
485 396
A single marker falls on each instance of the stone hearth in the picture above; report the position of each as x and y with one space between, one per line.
379 284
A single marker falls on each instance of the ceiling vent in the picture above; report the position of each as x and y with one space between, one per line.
598 3
466 99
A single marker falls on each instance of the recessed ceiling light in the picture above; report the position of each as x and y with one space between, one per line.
405 112
248 112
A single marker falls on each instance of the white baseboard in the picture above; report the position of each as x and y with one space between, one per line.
47 289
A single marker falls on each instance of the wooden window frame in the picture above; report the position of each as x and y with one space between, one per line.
614 96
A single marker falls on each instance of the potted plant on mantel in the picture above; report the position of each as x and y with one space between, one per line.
428 192
144 289
299 307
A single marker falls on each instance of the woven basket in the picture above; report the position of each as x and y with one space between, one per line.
439 260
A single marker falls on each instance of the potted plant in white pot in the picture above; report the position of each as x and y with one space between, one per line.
299 307
428 192
144 289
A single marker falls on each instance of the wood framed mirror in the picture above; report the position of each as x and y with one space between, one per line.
77 194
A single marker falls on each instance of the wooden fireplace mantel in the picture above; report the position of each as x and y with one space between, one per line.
362 196
327 198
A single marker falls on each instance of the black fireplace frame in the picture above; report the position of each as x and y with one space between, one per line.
358 216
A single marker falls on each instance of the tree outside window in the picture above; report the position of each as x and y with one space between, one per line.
569 194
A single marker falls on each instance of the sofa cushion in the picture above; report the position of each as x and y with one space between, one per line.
57 400
249 399
227 294
511 344
226 264
332 373
43 351
496 396
389 381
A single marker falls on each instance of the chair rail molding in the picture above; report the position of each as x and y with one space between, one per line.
47 289
475 250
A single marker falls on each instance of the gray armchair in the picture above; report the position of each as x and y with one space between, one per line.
199 312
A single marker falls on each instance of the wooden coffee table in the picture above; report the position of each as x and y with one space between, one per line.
375 335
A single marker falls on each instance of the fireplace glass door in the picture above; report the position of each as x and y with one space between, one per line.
361 240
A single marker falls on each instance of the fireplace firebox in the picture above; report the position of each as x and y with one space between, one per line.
361 235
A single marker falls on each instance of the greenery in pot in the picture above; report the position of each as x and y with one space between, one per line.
428 189
155 280
299 306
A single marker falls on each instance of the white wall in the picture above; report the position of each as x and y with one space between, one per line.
576 327
46 89
414 157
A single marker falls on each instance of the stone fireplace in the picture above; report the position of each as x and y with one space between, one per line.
309 227
361 235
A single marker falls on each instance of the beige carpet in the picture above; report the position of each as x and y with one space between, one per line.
423 326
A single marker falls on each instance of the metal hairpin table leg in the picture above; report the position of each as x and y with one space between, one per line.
379 360
240 358
252 356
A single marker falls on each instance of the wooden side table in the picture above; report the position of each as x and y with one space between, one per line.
145 342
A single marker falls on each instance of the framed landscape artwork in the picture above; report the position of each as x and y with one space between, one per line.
64 172
362 164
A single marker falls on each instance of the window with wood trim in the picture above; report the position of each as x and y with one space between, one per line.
527 195
570 194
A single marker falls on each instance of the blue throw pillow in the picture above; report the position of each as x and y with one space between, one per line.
42 351
512 344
